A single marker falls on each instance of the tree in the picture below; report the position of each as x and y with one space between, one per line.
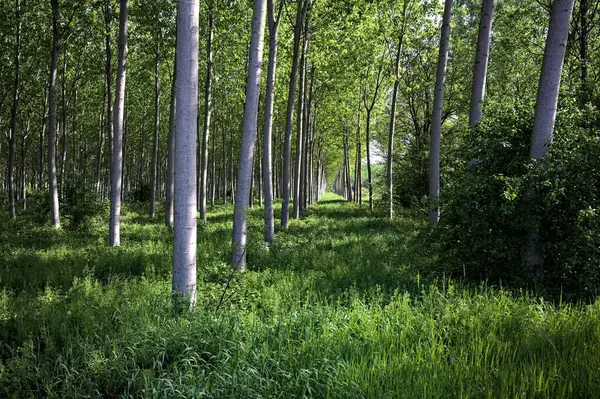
184 242
545 112
14 112
436 124
273 23
287 146
52 113
390 153
114 238
481 60
207 111
244 180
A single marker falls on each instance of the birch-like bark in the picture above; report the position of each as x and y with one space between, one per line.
287 147
154 167
170 181
186 116
392 131
14 112
52 113
238 256
436 119
267 161
545 113
481 61
300 128
114 238
207 113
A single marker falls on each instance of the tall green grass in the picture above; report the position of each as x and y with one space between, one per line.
335 308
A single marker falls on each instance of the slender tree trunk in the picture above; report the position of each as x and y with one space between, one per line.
14 113
22 178
583 49
185 234
170 184
108 79
154 167
287 152
224 138
114 238
238 258
390 154
213 179
40 183
481 61
268 124
368 147
54 206
207 111
545 114
436 123
300 129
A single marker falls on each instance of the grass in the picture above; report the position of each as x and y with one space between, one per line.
336 308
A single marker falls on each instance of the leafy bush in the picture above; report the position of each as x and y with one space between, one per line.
486 212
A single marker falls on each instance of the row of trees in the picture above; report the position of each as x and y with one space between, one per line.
104 130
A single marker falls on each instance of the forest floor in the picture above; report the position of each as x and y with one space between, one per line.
335 308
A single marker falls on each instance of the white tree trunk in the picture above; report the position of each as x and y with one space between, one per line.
114 238
54 207
287 146
170 183
207 114
154 167
238 256
268 124
185 231
481 60
436 123
545 109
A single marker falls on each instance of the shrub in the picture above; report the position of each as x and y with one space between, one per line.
485 212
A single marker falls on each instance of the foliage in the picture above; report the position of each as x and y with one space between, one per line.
485 216
335 309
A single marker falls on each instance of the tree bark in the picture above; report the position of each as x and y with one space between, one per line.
481 61
436 123
54 206
300 129
114 238
14 113
40 183
390 154
170 181
545 114
185 234
154 166
287 151
238 257
207 112
267 160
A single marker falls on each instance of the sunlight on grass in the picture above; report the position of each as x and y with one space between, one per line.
336 307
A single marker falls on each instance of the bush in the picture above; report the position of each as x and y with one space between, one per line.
486 211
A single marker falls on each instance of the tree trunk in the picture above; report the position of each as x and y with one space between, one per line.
583 49
390 153
108 79
14 113
170 183
54 206
40 183
268 124
436 123
287 151
545 114
207 113
154 166
185 234
114 238
481 61
299 130
238 257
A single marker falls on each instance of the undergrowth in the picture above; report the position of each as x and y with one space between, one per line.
335 308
